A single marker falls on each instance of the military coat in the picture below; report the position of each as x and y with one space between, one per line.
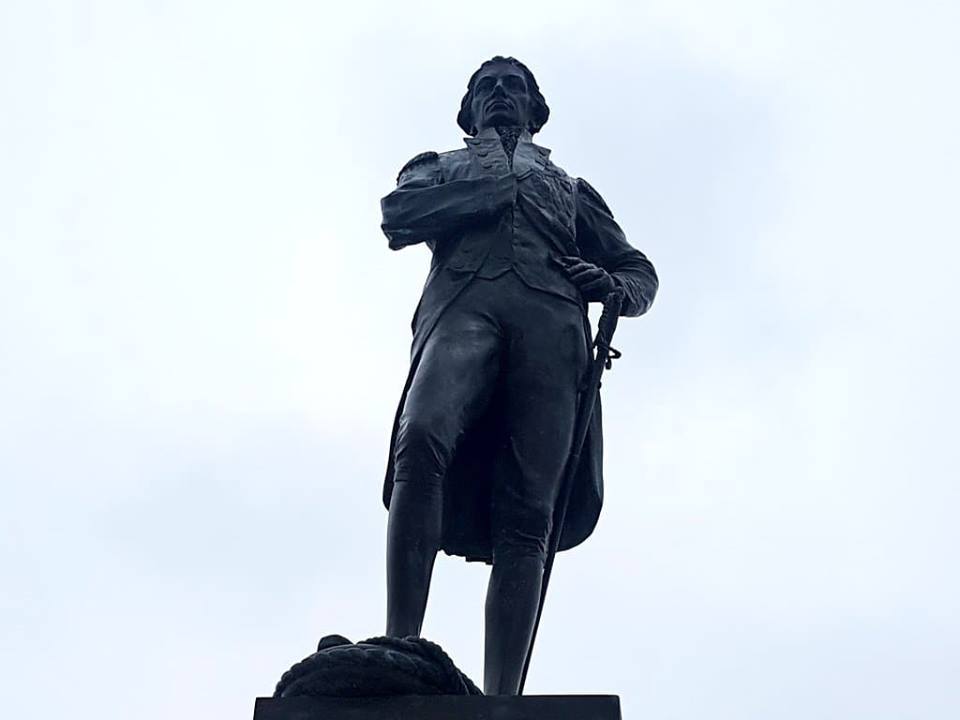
477 215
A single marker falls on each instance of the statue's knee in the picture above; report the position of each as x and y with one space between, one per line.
510 552
419 449
524 540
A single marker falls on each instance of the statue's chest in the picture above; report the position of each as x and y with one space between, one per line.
543 186
551 192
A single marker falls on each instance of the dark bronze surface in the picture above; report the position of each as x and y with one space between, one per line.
501 343
377 667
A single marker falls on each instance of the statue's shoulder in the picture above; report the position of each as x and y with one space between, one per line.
554 169
586 188
451 160
587 194
418 162
431 163
455 154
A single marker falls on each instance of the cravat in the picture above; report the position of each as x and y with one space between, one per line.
509 136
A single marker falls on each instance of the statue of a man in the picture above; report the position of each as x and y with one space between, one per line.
500 347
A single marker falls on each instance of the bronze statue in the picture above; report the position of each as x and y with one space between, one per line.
501 346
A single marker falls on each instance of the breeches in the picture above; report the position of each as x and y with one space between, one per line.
499 337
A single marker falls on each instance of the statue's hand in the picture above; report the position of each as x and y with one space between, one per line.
594 282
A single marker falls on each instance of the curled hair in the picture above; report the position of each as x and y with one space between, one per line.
540 112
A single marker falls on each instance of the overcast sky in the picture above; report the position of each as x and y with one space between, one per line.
203 337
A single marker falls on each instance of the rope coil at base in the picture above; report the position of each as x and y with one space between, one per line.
378 667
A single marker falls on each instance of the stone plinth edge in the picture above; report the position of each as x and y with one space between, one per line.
441 707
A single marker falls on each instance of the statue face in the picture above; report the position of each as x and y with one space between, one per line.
501 98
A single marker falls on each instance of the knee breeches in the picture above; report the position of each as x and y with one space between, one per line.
527 347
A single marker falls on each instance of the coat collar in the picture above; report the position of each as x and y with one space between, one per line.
486 148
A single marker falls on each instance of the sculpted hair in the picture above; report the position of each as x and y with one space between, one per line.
540 111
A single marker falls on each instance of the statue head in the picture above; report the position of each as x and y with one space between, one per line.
502 93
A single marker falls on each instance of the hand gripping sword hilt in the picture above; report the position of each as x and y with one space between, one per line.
612 304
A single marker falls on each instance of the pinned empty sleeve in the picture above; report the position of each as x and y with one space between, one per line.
422 169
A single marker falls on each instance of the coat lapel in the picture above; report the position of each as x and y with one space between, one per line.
487 153
529 157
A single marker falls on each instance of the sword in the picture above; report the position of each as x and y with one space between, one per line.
602 360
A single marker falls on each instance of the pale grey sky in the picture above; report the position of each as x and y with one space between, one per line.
203 337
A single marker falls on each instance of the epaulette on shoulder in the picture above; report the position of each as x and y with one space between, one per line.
589 190
413 162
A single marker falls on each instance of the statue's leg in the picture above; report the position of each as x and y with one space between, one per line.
413 539
451 387
512 598
542 372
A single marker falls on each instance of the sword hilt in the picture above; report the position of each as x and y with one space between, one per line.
612 304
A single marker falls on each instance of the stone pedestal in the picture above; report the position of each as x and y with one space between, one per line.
441 707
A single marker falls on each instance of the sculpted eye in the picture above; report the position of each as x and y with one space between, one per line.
514 82
485 84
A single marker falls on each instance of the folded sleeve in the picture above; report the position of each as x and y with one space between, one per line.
425 208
